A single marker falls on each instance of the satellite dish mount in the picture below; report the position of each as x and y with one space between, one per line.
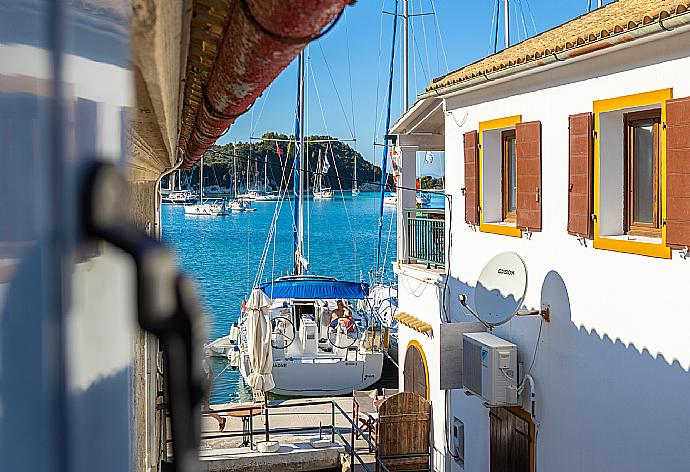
500 291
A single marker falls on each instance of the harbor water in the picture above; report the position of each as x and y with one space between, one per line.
223 255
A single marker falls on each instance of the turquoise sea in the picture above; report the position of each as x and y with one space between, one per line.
223 254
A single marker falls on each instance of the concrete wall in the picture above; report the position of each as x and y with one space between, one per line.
611 368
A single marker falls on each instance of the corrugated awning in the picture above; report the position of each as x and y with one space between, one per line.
413 322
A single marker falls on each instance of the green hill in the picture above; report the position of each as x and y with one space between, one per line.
218 163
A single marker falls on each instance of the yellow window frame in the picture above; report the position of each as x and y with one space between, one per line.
643 248
499 123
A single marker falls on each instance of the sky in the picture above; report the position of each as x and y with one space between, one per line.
348 68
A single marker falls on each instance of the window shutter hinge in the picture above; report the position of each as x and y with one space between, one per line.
594 134
464 191
663 125
537 195
594 217
663 222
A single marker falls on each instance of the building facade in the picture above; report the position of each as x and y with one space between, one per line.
577 159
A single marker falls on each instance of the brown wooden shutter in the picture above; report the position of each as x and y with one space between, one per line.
528 144
678 172
580 176
471 145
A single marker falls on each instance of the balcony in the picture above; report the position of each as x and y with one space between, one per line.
426 237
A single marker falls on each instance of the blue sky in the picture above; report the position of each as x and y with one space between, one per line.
349 66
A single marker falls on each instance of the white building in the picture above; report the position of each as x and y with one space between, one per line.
571 149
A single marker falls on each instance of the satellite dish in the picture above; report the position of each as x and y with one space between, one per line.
500 289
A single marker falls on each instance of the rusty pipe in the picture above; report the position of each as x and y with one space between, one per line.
260 39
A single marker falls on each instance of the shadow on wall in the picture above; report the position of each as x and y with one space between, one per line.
601 405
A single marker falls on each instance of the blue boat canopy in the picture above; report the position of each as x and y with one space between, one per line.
312 287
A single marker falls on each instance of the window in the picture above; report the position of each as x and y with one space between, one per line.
498 176
509 190
642 160
629 174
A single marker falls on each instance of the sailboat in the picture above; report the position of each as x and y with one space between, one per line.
321 192
266 196
240 203
355 188
209 207
312 354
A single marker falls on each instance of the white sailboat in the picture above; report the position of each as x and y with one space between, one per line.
266 196
321 192
355 188
208 207
312 354
243 202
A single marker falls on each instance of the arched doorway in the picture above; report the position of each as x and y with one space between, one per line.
415 370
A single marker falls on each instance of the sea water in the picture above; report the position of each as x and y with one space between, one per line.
223 254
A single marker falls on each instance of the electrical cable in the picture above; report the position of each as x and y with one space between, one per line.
346 179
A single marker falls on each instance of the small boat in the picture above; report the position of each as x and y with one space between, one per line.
267 197
182 197
208 207
223 346
215 191
323 194
391 199
240 205
356 192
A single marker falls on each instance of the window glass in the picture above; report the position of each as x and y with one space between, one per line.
643 172
509 176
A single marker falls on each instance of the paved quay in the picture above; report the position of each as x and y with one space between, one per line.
224 451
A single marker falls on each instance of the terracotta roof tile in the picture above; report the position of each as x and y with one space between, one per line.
614 18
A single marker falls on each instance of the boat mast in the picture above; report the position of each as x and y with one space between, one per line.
355 179
384 158
265 173
298 185
234 175
406 55
201 181
506 20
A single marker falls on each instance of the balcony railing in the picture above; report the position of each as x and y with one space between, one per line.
426 237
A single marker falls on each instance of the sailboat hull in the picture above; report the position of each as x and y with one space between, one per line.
319 376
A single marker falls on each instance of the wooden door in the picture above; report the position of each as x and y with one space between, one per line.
414 372
510 441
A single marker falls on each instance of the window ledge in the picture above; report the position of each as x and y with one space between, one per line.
641 245
500 227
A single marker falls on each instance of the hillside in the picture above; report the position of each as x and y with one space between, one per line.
218 163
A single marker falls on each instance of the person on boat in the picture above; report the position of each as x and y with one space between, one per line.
343 316
206 400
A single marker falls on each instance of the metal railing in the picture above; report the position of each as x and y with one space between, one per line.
354 431
426 237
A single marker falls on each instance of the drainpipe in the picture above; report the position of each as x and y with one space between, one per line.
260 39
669 25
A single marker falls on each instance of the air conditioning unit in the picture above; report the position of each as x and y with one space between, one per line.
490 368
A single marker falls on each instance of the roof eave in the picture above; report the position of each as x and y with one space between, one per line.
672 25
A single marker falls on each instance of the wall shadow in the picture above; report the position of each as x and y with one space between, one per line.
600 404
